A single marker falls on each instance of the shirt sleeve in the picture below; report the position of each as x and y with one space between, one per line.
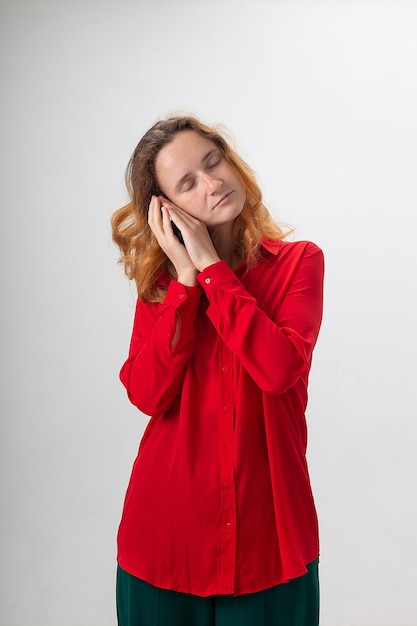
154 370
276 350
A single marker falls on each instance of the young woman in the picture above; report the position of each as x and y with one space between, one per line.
219 525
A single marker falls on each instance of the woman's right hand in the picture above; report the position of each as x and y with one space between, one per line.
160 224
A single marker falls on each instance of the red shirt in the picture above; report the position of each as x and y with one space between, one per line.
219 500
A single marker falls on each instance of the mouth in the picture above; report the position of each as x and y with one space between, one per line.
223 199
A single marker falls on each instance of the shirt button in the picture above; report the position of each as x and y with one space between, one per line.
207 281
181 296
224 369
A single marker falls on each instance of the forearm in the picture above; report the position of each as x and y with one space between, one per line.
274 348
163 340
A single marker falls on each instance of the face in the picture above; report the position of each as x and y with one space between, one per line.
193 173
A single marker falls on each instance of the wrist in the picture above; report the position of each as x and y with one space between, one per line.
188 278
207 262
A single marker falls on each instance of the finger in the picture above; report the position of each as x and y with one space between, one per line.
170 217
153 206
172 208
180 217
168 225
155 216
164 212
165 202
151 211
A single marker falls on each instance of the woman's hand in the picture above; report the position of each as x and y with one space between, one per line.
198 251
160 224
196 237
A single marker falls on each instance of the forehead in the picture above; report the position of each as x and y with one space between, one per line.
184 153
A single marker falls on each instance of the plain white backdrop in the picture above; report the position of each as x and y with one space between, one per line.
321 98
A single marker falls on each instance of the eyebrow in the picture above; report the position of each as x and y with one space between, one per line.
203 160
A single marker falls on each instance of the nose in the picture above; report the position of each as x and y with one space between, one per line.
212 184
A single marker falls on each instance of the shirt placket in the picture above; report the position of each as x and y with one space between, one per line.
228 490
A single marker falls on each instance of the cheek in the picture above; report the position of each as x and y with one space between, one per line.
180 201
237 181
191 204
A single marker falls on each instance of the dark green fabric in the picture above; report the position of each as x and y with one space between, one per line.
292 604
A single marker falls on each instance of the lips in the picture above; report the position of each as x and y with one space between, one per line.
226 195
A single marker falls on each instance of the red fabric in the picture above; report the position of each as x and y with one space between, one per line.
219 501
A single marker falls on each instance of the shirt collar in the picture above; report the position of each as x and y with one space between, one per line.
271 245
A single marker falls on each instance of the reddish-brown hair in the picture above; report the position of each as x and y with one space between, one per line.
143 260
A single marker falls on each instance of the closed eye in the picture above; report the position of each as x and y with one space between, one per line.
214 163
187 185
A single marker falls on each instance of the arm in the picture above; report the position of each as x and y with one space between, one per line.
162 341
163 337
275 350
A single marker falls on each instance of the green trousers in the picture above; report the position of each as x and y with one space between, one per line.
291 604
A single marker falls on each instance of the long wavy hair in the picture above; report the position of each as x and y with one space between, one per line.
142 258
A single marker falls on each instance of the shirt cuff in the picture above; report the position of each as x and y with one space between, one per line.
182 295
215 275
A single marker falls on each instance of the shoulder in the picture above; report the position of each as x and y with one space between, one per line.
291 249
294 258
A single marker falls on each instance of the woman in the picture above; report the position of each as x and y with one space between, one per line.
219 524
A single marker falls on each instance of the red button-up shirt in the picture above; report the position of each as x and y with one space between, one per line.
219 500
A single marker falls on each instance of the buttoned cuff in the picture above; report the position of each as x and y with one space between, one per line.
215 275
182 295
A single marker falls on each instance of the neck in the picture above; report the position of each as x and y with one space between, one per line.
224 238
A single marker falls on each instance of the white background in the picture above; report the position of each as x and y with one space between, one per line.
322 99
